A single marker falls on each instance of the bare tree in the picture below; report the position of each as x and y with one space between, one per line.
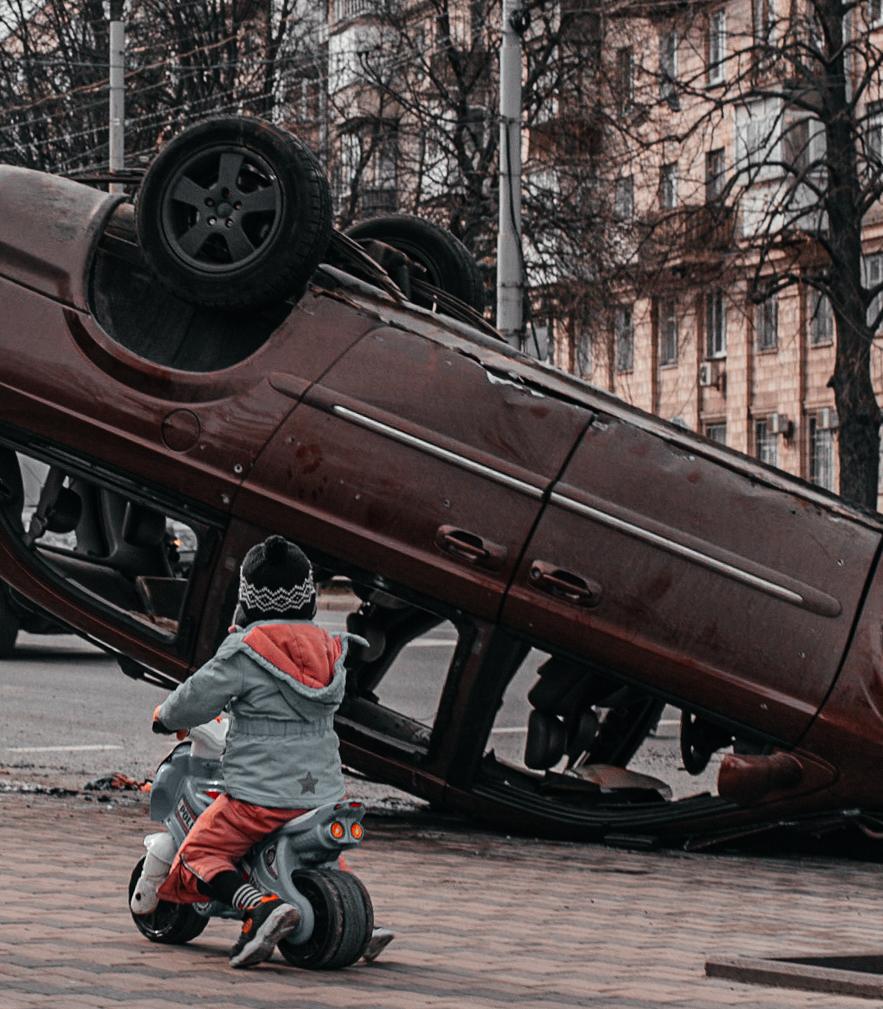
184 62
414 104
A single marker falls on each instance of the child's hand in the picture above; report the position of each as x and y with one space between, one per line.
158 727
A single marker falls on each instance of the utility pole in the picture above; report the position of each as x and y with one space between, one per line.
116 136
510 272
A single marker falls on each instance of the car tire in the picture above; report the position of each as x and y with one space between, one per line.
170 924
448 264
234 213
9 626
344 920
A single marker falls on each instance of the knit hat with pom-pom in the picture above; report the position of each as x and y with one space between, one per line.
276 583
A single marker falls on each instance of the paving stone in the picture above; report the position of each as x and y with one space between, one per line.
484 922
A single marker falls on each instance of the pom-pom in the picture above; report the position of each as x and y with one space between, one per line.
276 550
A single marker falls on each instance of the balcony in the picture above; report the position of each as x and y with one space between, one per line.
691 235
379 201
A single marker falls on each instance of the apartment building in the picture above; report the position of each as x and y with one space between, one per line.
686 337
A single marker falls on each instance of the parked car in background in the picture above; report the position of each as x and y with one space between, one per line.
219 362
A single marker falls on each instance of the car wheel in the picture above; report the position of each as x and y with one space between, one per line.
444 260
234 213
9 626
171 924
344 920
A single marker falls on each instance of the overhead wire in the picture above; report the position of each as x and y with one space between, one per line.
362 75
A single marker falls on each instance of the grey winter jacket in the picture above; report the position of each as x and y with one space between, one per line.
282 683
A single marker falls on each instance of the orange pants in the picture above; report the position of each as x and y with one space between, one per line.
222 834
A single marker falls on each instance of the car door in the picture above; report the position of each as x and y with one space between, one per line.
414 458
695 572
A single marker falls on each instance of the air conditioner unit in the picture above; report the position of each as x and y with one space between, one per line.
711 374
826 420
779 423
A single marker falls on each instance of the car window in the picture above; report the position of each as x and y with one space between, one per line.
107 545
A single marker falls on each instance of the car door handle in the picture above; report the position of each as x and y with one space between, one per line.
469 547
565 584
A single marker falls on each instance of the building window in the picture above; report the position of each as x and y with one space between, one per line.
543 339
875 11
668 186
763 16
796 140
717 431
717 46
668 331
821 452
623 338
766 323
583 351
715 175
874 135
873 268
668 68
625 78
820 318
624 199
766 447
344 10
715 325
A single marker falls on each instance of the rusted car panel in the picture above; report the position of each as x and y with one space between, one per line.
51 229
695 571
437 482
147 443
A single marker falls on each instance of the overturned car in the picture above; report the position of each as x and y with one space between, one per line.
217 363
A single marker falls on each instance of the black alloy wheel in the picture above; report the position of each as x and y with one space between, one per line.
443 261
234 213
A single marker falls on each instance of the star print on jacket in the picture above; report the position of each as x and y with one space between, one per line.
308 783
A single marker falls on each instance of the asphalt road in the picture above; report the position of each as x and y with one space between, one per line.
68 716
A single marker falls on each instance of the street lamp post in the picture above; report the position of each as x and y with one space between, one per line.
510 272
116 127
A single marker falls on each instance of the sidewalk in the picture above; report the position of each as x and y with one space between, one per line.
483 920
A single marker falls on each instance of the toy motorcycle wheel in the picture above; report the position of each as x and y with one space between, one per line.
173 924
344 920
234 213
445 261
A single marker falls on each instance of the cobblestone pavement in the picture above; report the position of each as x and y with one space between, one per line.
482 920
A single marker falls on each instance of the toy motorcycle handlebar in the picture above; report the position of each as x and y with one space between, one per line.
159 729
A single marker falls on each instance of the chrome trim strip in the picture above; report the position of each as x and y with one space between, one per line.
436 450
680 549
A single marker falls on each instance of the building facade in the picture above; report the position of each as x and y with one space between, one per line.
710 172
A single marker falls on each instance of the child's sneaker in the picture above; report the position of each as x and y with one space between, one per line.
380 939
265 924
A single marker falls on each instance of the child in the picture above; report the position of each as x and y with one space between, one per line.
283 678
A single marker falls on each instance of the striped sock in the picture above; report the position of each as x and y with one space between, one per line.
246 896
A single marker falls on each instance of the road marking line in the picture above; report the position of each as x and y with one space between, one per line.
54 749
510 730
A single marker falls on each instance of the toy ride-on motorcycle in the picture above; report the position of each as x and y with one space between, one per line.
299 862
